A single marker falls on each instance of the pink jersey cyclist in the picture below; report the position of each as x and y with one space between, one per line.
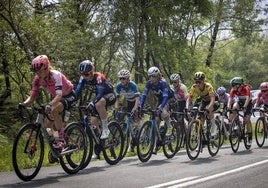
262 97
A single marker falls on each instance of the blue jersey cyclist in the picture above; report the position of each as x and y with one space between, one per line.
105 96
161 90
127 88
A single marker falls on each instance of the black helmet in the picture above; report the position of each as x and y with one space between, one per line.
85 66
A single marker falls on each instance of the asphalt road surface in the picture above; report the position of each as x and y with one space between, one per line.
246 168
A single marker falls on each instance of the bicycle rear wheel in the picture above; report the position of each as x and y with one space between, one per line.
114 144
28 152
246 138
260 131
146 139
172 140
193 139
73 156
235 136
214 145
126 134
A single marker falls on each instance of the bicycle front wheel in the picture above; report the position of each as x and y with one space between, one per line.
260 131
246 137
146 139
114 144
126 134
28 152
74 154
193 139
215 144
235 136
172 140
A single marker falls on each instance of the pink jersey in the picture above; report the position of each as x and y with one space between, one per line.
262 98
56 84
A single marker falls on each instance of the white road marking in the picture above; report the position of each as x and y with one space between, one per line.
187 181
173 182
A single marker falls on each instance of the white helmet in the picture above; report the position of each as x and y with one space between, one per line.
123 73
153 71
174 77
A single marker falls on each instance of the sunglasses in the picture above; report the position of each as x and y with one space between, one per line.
122 78
85 74
174 82
233 85
197 82
263 91
153 76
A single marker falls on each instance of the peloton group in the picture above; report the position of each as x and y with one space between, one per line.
65 95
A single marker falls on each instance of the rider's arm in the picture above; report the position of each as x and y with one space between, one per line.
144 94
79 86
247 97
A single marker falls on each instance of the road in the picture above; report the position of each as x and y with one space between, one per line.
227 169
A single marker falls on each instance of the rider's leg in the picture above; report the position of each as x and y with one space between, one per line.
101 109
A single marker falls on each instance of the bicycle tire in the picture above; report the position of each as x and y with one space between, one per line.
217 121
235 136
172 140
260 133
126 135
114 144
146 141
23 155
89 143
193 139
214 145
74 154
246 138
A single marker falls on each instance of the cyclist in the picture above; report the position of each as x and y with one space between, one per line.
129 89
158 85
242 91
59 87
205 91
262 97
105 96
180 91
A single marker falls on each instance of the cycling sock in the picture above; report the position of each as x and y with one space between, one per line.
104 124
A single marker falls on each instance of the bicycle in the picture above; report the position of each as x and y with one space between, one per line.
28 147
130 132
223 121
199 134
238 131
112 147
151 136
261 128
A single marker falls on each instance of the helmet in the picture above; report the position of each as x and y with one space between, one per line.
153 71
123 73
237 80
174 77
199 76
41 62
221 90
264 86
85 66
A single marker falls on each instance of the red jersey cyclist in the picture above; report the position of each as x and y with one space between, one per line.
59 87
206 93
242 91
105 96
262 98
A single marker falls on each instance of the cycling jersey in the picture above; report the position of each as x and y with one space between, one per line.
204 94
98 85
161 90
262 98
130 91
56 84
180 93
242 94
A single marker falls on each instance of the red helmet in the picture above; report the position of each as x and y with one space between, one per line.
264 86
41 62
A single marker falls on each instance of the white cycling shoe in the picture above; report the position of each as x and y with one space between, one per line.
105 134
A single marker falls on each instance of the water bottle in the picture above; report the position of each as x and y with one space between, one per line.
67 115
162 131
96 131
49 131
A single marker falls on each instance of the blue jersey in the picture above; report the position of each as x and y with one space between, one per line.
130 91
99 85
161 90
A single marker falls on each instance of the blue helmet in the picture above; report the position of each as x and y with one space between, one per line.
85 66
221 90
